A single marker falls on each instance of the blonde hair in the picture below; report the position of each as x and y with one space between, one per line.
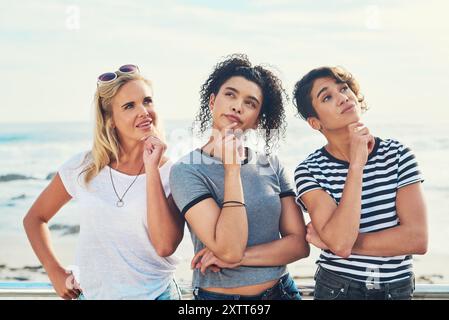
106 146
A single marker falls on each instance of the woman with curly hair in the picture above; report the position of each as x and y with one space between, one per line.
239 203
363 195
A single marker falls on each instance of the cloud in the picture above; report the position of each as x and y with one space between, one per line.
178 43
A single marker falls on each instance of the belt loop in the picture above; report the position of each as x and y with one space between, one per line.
347 285
387 291
284 279
316 272
278 287
264 294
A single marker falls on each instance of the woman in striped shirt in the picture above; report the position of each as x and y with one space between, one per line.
362 193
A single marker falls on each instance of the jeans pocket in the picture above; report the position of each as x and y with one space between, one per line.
326 292
197 295
402 293
289 294
290 291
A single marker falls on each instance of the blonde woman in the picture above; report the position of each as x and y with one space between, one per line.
129 226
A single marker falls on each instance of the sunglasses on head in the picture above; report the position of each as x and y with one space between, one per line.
111 76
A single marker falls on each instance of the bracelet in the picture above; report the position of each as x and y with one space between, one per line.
235 205
241 204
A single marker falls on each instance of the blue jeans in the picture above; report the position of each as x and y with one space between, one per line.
331 286
171 293
284 289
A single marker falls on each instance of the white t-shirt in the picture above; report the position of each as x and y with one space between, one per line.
115 257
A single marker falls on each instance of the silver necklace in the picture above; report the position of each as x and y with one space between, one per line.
120 203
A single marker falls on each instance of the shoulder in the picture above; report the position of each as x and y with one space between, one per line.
263 161
72 170
184 165
392 147
390 144
272 159
166 166
77 161
313 158
184 160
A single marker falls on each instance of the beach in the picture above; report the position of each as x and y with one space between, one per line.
18 262
35 152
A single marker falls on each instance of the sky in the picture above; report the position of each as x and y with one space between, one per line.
53 51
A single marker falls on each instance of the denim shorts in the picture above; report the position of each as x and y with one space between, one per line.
284 289
331 286
171 293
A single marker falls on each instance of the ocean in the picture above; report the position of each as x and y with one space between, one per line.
30 153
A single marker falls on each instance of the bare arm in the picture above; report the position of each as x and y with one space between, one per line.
291 247
338 226
410 237
223 230
36 226
165 223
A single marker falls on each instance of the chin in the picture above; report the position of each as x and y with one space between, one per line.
140 135
220 125
355 118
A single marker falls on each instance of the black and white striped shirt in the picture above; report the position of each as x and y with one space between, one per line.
390 166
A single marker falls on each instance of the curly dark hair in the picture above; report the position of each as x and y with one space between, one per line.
301 93
272 114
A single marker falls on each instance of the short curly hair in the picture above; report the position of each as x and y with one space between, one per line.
272 114
302 98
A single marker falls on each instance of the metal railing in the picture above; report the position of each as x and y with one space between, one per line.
44 290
